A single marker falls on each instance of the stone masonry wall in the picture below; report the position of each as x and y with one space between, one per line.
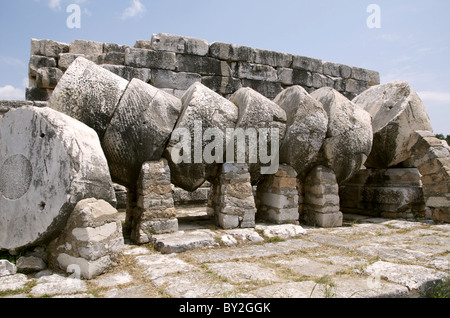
173 63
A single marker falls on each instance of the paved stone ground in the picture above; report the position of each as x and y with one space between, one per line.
368 257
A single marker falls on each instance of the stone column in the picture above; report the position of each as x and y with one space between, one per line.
231 197
277 197
91 241
432 157
321 204
155 212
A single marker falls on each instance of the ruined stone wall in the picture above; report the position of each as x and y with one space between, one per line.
174 63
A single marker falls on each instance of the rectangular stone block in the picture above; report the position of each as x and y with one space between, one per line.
114 48
169 79
221 84
285 76
302 78
329 220
345 71
48 48
179 44
278 201
143 58
143 44
113 58
48 77
307 64
355 86
150 228
202 65
36 62
331 69
128 73
254 71
38 94
283 216
319 80
268 89
86 47
231 52
438 202
226 221
65 59
272 58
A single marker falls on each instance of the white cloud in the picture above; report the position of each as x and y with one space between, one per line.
55 5
136 9
9 92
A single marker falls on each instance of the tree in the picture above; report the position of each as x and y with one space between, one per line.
442 137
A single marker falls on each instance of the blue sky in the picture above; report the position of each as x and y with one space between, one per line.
413 43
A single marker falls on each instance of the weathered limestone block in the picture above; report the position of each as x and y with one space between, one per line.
231 199
272 58
48 163
128 72
307 124
183 197
155 213
88 93
169 79
397 112
254 71
65 59
139 130
202 65
30 264
277 197
321 202
285 76
231 52
48 77
86 47
48 48
179 44
7 268
113 47
201 109
356 87
349 137
268 89
38 94
36 62
307 64
256 112
388 193
92 240
331 69
370 77
113 58
143 44
221 84
143 58
302 78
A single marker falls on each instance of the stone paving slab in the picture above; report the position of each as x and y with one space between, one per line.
379 258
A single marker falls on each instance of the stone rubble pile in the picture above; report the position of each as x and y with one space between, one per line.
333 154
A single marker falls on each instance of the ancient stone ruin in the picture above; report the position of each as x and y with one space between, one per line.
335 141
